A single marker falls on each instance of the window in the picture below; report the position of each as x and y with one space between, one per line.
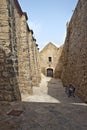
49 59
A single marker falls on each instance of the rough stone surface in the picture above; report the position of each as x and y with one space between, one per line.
9 89
49 51
59 65
75 51
16 75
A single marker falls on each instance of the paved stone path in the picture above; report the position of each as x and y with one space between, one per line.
48 108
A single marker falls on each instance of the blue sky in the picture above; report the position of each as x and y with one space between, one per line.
48 18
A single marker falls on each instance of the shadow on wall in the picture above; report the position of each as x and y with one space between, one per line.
9 89
57 91
75 51
59 66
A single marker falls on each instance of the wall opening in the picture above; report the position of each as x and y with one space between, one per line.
50 59
50 72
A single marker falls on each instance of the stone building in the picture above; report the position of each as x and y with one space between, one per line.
18 53
49 59
75 51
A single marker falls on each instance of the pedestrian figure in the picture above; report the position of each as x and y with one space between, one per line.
70 90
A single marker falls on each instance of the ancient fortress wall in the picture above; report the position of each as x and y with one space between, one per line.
34 60
75 51
8 55
59 65
16 39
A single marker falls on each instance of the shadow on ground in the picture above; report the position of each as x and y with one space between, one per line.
67 114
43 116
56 90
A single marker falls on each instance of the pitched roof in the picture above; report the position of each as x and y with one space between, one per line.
50 44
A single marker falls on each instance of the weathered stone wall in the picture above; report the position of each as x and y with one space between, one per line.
50 50
34 60
38 65
8 55
23 56
59 66
75 51
16 75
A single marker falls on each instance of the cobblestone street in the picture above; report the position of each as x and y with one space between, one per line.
48 108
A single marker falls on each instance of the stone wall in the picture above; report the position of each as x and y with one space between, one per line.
9 89
16 73
34 60
59 65
50 50
75 51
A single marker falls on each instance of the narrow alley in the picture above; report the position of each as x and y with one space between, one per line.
48 108
33 40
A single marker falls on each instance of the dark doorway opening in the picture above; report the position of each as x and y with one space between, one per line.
50 72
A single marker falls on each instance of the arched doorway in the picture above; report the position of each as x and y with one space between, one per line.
50 72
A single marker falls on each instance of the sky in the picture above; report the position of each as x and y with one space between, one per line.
48 18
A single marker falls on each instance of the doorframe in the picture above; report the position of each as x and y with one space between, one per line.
49 68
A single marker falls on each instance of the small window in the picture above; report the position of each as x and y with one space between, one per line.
49 59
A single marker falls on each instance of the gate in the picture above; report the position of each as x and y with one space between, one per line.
50 72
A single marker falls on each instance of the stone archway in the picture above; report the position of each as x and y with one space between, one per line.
50 72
